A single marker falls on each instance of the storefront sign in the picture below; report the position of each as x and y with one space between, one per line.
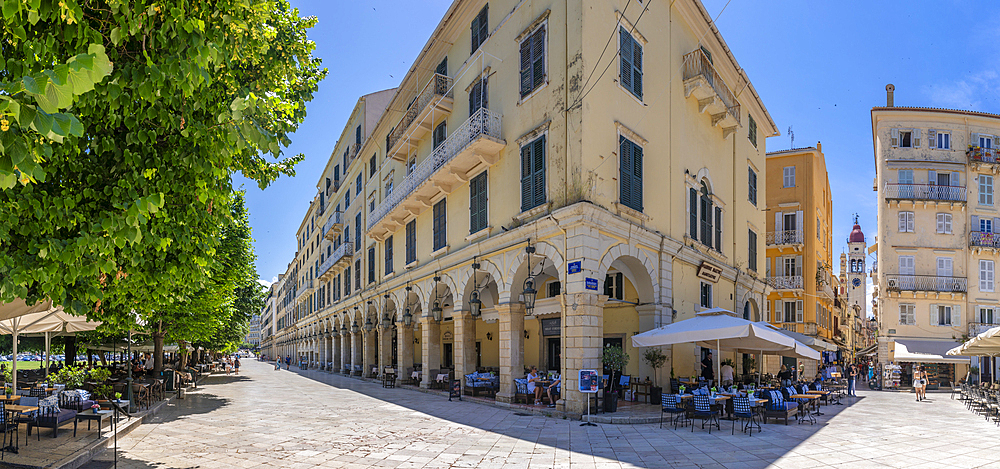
892 331
448 335
709 271
588 381
574 267
551 326
456 389
591 283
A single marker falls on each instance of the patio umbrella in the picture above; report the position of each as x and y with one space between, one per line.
986 343
814 342
718 328
19 308
43 322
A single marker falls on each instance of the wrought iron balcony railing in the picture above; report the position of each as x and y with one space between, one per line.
934 283
344 250
784 237
336 218
791 282
696 64
438 86
925 192
984 239
483 123
982 155
976 328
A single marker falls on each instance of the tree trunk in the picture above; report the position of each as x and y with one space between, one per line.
157 352
104 359
182 346
70 352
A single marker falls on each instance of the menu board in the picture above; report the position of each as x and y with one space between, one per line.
589 381
456 389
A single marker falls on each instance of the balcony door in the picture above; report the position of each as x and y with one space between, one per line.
944 273
906 271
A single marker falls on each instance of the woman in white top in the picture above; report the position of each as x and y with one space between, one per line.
920 382
533 388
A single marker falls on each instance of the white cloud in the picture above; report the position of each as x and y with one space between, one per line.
976 92
265 283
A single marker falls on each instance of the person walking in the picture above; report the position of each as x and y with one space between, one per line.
852 378
288 362
706 368
920 382
277 365
236 364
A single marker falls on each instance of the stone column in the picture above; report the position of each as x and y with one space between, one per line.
337 357
583 326
511 348
431 348
369 357
345 349
404 346
357 351
329 352
384 348
465 344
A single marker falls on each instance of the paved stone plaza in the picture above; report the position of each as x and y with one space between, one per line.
265 418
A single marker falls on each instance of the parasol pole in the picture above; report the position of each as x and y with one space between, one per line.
47 353
718 367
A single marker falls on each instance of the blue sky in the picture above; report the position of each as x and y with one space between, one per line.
818 66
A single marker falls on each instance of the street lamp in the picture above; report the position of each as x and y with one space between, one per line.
436 310
529 292
407 317
354 327
475 304
368 324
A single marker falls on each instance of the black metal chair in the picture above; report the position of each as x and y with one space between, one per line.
7 425
743 413
703 411
38 392
671 404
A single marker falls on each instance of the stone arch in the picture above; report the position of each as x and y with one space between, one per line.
548 252
638 267
485 265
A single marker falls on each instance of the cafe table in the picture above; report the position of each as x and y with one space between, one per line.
91 414
9 399
803 411
823 397
18 409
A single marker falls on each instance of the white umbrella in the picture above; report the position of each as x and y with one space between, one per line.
987 343
45 322
720 329
19 308
813 342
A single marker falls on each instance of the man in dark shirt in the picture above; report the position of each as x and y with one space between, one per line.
707 371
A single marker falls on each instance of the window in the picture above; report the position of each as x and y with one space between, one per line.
752 135
388 255
791 311
942 315
357 135
533 174
706 216
347 281
478 203
791 266
479 97
985 224
411 164
818 233
411 242
614 285
752 186
347 198
706 294
987 315
907 314
788 176
907 265
533 61
906 222
985 140
442 68
371 264
752 250
939 139
630 172
347 234
388 187
371 204
718 229
371 166
357 183
944 223
440 228
906 138
357 231
905 176
985 275
357 274
631 63
480 28
985 189
440 134
554 289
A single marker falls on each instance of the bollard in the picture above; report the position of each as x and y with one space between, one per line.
180 393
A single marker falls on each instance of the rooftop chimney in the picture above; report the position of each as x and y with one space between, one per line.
888 94
819 146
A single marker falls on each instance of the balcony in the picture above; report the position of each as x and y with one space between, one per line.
352 152
307 288
341 258
811 329
784 237
984 239
791 282
436 98
475 145
976 328
333 225
714 97
925 192
979 154
928 283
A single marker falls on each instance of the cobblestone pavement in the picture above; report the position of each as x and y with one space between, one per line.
291 419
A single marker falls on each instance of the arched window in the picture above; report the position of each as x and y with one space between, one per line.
706 216
746 311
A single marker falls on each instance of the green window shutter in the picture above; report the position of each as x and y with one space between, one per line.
718 229
637 177
693 215
477 203
475 97
526 190
538 58
625 170
388 255
525 67
636 68
440 229
626 58
538 170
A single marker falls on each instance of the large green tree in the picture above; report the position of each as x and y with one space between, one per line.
130 213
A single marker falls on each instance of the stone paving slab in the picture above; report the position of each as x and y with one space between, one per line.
290 419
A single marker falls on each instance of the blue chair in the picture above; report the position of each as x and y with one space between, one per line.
743 412
672 405
703 410
27 417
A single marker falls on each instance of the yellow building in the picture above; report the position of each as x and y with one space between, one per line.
517 213
937 215
799 247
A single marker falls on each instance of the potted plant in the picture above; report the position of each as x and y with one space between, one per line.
655 359
102 390
615 359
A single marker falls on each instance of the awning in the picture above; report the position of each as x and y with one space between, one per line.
925 351
869 350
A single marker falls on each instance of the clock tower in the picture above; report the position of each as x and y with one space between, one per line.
857 250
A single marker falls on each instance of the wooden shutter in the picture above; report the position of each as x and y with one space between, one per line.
916 138
954 179
637 177
798 310
932 138
975 223
626 58
779 314
538 58
798 266
525 67
932 177
440 228
778 220
902 221
718 229
484 23
538 170
388 255
895 137
636 68
940 223
624 170
798 220
956 316
706 225
475 97
526 178
996 222
477 203
693 213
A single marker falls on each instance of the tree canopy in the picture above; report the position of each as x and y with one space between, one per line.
130 211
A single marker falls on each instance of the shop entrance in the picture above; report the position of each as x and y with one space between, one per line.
553 349
447 355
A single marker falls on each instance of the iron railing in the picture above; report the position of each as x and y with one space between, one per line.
984 239
345 249
935 283
784 237
697 63
438 87
924 192
307 288
335 218
976 328
483 123
982 155
791 282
